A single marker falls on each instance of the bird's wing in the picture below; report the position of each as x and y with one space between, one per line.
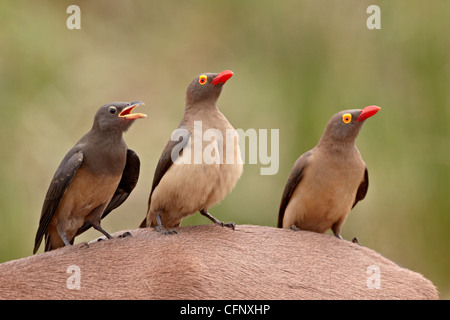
362 189
127 183
294 179
60 182
165 162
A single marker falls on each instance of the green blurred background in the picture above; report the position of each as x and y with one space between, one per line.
296 63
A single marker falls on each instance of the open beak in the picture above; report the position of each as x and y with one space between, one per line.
222 77
126 113
367 112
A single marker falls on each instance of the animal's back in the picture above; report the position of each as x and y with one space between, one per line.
210 262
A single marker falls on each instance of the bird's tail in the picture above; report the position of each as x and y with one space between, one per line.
143 223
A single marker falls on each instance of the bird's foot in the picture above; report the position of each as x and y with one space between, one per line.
294 227
339 236
231 225
125 234
355 240
161 229
85 245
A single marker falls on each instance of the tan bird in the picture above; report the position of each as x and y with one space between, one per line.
329 180
201 163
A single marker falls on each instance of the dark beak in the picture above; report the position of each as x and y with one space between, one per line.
126 113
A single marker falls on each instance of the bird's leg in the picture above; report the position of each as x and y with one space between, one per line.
95 218
231 225
336 228
63 236
99 228
160 227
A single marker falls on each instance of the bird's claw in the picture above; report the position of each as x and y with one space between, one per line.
161 229
231 225
125 234
294 227
85 245
101 239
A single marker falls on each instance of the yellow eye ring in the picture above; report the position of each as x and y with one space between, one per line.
347 118
203 79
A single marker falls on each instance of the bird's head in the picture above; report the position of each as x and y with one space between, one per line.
207 87
345 125
117 116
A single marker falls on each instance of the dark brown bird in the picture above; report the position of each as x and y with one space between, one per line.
329 180
194 183
95 177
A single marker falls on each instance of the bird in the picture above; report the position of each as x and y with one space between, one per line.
96 176
185 181
327 181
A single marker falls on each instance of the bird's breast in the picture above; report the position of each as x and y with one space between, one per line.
207 170
87 191
325 194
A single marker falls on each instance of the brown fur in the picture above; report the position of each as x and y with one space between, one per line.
211 262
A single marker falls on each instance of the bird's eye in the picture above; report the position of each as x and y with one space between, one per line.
346 118
112 110
203 79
